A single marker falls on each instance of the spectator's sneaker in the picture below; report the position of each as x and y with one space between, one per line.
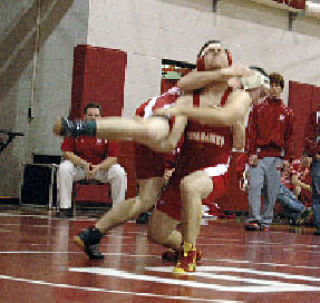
252 226
172 255
187 260
265 228
305 217
89 240
65 213
293 221
317 232
65 127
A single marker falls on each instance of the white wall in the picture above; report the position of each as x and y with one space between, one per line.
63 26
150 30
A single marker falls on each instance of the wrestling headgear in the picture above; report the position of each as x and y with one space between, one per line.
209 45
257 79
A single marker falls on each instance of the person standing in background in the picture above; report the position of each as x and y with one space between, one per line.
270 134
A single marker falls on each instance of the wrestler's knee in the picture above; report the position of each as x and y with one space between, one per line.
197 183
151 229
156 228
187 184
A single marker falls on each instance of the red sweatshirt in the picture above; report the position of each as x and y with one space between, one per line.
269 130
312 134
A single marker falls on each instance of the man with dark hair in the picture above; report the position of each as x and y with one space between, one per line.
269 135
94 112
89 158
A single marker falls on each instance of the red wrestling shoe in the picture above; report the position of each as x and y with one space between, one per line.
187 261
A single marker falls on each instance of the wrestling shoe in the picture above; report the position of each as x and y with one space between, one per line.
89 240
67 128
143 218
187 260
172 255
252 226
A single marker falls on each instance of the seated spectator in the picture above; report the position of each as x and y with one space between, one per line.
294 210
89 158
302 180
290 188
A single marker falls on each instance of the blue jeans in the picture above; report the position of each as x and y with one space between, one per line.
315 173
293 208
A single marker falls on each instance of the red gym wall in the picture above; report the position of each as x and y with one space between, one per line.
302 99
99 76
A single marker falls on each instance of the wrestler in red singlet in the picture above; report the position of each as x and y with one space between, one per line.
205 148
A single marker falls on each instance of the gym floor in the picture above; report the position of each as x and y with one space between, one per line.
40 263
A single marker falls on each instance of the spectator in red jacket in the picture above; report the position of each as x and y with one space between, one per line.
89 158
269 136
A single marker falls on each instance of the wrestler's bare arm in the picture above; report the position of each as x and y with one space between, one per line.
168 144
196 79
239 133
233 113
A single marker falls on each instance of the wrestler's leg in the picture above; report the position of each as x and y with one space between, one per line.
193 188
131 208
90 238
115 128
118 128
162 229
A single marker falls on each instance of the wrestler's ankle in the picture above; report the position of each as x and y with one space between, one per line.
88 128
187 247
98 228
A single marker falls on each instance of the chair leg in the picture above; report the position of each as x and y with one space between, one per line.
74 208
76 187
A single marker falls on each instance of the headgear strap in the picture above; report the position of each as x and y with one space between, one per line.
255 80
